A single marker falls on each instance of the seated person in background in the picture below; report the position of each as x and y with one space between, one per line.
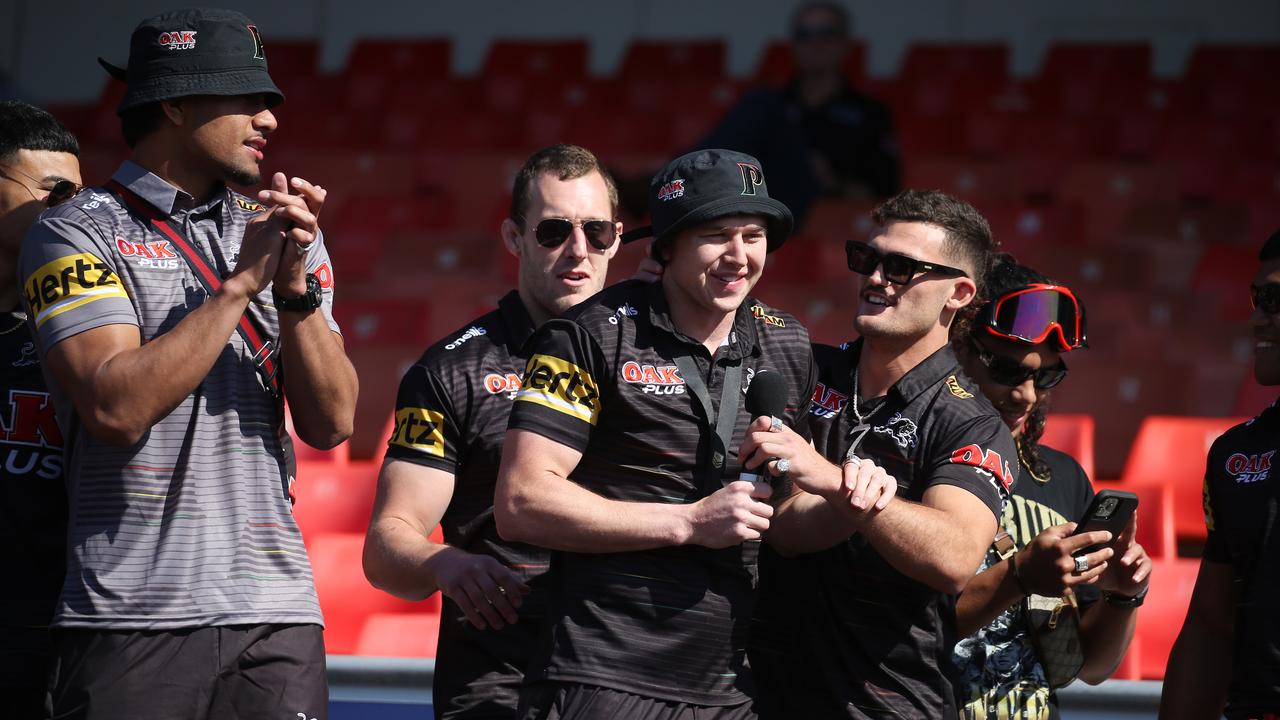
818 135
1012 347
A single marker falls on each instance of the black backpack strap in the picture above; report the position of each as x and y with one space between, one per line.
723 421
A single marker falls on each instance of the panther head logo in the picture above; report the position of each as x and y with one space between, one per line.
902 430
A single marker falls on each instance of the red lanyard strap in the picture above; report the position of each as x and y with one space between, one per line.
255 338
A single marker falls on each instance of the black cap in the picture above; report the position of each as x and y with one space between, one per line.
707 184
203 51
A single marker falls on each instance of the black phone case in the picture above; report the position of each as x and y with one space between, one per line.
1115 523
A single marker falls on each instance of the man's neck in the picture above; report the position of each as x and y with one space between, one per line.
710 328
161 160
884 362
536 312
817 89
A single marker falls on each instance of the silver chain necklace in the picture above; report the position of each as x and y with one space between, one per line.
853 401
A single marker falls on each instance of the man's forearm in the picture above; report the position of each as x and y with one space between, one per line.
136 387
988 594
1105 631
320 382
562 515
398 559
924 544
808 523
1199 671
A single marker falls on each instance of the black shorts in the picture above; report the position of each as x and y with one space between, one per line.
218 673
573 701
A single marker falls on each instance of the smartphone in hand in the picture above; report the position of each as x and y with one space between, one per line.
1110 510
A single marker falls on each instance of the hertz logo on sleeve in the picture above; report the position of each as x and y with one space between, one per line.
68 283
419 429
561 386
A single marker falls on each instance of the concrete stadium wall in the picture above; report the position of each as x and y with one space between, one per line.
47 49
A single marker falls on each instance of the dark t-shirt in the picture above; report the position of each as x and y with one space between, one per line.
851 134
451 415
1239 494
1000 674
668 623
842 633
33 529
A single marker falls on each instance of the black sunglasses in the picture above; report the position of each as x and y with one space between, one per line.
552 232
898 269
62 191
1266 297
1011 373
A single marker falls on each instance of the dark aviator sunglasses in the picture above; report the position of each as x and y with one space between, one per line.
552 232
1011 373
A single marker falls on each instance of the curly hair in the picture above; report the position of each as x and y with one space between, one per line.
1002 276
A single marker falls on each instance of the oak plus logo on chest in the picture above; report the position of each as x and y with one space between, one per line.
560 385
31 441
1247 469
158 254
827 402
67 283
497 384
653 379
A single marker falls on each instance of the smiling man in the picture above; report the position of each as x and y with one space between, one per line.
865 627
620 458
173 316
1226 660
451 416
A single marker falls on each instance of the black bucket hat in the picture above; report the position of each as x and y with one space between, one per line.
706 184
203 51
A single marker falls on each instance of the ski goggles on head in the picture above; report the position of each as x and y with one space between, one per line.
1266 297
1034 313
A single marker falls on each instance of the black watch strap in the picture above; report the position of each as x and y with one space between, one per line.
1126 601
306 302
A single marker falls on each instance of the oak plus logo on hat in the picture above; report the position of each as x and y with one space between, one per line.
671 190
177 39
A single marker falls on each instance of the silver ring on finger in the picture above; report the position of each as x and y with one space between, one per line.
784 466
775 424
1082 564
303 248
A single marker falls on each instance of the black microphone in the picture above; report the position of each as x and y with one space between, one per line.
766 397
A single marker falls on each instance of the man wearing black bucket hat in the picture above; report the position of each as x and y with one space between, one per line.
620 456
175 316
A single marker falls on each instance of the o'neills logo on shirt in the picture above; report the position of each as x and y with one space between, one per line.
471 332
562 386
656 379
178 39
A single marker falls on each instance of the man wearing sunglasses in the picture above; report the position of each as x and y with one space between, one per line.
864 626
174 316
818 135
620 458
1012 346
451 416
39 168
1226 660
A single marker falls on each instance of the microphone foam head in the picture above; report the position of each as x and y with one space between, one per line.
767 394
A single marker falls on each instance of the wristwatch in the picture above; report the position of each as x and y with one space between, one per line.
1126 601
306 302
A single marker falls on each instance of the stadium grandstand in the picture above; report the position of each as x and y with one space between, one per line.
1132 148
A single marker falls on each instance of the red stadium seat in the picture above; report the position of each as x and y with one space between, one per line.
346 597
946 79
526 74
976 182
1073 435
379 322
399 635
1095 79
1160 619
666 59
1232 80
1221 275
380 368
289 59
333 498
1171 452
1155 517
419 56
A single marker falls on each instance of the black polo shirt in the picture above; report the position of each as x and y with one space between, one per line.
1239 495
33 533
841 633
668 623
451 415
